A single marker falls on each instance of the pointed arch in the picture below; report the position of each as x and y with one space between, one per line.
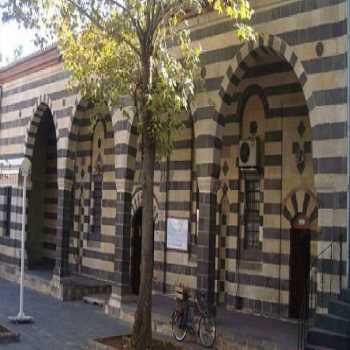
216 116
300 201
137 203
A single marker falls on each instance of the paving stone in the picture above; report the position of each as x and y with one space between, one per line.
57 325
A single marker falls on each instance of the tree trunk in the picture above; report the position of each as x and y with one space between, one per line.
142 330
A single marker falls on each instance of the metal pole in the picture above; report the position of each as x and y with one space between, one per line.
21 314
21 317
348 144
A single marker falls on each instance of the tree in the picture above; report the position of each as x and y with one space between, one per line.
16 55
117 48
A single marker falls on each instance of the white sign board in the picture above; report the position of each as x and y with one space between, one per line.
177 230
25 166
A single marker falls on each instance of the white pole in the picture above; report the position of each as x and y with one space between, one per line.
21 317
24 197
348 151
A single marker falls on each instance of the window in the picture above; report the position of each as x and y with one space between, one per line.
8 204
98 158
252 213
97 204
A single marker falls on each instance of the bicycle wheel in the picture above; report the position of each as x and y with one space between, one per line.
178 326
207 331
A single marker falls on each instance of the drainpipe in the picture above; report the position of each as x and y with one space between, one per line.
348 144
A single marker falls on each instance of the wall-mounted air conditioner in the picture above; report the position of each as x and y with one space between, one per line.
248 153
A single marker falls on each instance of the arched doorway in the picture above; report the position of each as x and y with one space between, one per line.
136 252
299 266
42 208
136 239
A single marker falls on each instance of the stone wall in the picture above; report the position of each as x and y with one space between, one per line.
298 67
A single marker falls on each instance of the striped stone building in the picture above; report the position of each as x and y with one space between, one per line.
259 171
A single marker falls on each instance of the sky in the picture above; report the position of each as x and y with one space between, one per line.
11 36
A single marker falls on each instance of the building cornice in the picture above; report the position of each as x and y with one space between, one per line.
30 64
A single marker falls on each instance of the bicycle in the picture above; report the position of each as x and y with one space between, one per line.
184 321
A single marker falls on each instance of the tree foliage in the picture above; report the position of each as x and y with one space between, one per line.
136 48
103 43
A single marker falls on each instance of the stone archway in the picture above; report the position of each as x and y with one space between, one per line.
92 192
237 90
41 149
220 113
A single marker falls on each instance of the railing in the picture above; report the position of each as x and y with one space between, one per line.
319 276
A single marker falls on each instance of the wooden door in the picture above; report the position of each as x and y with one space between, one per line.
299 272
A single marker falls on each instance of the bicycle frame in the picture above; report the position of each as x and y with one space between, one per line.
190 310
190 317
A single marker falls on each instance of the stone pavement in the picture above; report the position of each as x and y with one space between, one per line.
70 325
235 330
57 326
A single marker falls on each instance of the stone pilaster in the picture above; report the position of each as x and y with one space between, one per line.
64 225
206 237
121 286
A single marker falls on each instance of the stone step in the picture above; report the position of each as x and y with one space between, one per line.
96 299
339 308
321 337
333 323
77 287
345 295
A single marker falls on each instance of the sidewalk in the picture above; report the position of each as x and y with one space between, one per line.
235 330
57 326
70 325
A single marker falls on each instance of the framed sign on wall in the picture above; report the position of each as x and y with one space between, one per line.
177 237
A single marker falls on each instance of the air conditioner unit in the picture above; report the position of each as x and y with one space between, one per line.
248 153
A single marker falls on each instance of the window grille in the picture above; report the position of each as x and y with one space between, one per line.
252 213
8 205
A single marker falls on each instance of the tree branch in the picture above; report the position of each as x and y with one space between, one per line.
130 15
99 25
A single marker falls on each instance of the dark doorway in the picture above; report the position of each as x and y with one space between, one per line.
136 252
299 272
42 207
